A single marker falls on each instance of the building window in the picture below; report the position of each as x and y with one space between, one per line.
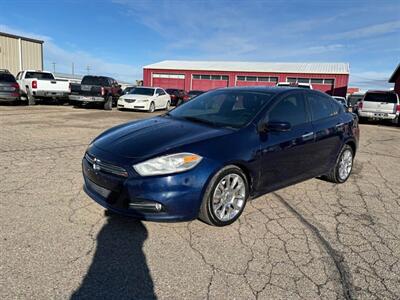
311 80
173 76
210 77
317 81
257 78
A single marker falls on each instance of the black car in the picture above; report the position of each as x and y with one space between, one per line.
177 95
9 88
194 93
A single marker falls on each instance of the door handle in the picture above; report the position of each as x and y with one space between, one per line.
307 135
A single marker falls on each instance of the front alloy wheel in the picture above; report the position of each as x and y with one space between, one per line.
225 197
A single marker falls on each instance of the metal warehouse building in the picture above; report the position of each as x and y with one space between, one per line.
331 78
18 53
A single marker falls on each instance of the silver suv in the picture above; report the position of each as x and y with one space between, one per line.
380 105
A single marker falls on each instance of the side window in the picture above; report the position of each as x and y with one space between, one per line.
291 109
161 92
321 106
158 91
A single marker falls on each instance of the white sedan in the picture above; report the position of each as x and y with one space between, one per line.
145 98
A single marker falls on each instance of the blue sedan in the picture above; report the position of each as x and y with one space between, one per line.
208 157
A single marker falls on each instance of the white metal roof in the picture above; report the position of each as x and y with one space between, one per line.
239 66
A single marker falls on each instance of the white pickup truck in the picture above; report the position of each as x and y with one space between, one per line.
41 85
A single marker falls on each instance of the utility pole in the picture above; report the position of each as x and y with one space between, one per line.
73 69
88 69
54 67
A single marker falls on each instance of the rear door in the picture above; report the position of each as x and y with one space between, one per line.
380 102
328 129
285 156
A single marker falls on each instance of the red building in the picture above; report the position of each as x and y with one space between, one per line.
395 78
331 78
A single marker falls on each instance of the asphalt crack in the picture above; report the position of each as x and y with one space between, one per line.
345 277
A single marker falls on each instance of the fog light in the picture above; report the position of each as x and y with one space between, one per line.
146 206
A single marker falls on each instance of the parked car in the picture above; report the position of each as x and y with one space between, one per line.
9 88
379 105
37 85
208 157
96 89
191 95
295 84
342 101
177 95
145 98
353 99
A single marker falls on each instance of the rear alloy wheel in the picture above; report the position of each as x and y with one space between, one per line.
168 105
108 103
225 197
343 167
152 107
31 99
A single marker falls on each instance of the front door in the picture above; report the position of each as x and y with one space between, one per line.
285 155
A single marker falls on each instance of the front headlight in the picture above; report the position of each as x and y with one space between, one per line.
144 100
168 164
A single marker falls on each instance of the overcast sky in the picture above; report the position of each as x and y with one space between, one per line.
118 37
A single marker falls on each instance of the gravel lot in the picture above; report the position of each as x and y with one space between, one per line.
311 240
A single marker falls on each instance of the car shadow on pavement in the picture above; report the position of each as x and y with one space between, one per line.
119 269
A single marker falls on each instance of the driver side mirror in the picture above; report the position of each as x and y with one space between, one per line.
157 94
274 126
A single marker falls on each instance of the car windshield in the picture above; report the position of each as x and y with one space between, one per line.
5 77
39 75
142 91
221 108
381 97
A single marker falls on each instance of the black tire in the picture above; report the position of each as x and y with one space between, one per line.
152 107
206 212
108 103
333 175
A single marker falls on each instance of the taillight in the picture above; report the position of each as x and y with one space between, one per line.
398 108
360 105
15 85
34 84
102 91
186 97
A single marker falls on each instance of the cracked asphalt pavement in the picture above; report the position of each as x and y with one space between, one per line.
311 240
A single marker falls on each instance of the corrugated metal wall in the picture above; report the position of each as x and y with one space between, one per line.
9 54
31 55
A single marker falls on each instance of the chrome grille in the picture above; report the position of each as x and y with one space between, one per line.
99 165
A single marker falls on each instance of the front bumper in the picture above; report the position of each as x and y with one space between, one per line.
377 115
179 195
87 99
133 105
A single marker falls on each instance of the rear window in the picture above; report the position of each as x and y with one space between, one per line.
381 97
5 77
95 80
39 75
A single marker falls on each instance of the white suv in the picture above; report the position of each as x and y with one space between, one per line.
382 105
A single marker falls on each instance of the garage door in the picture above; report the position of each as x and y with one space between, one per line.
209 82
172 81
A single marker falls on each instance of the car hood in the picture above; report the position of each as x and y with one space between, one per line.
154 136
